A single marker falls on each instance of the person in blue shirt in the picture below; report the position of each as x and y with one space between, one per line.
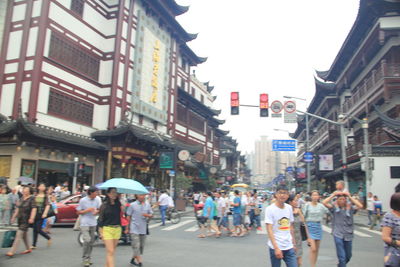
237 217
377 213
208 216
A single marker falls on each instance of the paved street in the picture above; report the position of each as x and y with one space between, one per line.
177 246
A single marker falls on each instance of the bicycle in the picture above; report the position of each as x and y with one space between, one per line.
171 215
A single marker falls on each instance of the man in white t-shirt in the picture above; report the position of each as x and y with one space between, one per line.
163 202
279 220
370 207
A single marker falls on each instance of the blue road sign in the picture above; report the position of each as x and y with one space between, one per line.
289 169
283 145
308 157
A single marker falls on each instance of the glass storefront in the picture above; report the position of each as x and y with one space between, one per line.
53 173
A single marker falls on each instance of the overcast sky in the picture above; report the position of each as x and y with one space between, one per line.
265 46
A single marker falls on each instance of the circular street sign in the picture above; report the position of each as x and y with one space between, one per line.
276 106
290 106
213 170
183 155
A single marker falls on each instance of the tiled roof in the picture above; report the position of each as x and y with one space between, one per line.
24 127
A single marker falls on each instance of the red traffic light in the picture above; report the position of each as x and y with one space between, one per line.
234 99
263 101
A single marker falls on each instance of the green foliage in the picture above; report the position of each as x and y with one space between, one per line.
182 182
212 183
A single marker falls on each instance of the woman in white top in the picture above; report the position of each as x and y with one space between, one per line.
314 213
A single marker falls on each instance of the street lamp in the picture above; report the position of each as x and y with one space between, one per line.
293 97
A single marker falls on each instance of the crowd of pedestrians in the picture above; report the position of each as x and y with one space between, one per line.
289 220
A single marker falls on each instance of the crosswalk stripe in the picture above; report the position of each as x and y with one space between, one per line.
192 229
172 227
151 226
372 231
326 229
361 234
358 233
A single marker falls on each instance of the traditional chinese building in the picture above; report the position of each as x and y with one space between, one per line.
363 82
99 80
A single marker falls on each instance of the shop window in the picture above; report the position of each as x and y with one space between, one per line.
74 56
77 6
69 107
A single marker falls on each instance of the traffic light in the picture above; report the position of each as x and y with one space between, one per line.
234 103
264 105
81 169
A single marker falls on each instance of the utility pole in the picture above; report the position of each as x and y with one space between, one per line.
364 126
307 145
76 160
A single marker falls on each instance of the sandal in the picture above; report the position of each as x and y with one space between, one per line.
201 236
9 254
26 251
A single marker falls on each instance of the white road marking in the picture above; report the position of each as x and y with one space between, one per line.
192 229
172 227
151 226
358 233
372 231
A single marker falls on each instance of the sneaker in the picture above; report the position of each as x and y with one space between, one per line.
86 263
133 262
259 229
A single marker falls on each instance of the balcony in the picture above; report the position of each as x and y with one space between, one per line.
326 133
366 87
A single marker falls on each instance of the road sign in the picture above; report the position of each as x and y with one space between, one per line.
308 157
283 145
290 112
276 108
171 173
289 169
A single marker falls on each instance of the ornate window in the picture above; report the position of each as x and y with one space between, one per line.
73 56
181 114
77 6
70 108
196 122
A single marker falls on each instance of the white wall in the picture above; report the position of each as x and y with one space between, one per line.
382 185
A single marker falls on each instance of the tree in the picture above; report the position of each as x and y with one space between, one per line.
182 182
212 183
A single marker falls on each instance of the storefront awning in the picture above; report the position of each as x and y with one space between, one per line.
146 135
23 128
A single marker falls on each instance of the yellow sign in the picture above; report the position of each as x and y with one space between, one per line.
5 166
154 78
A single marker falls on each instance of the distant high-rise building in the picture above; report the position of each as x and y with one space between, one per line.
269 164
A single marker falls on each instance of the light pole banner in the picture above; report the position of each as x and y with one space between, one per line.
326 162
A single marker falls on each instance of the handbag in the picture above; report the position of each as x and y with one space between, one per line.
8 238
392 257
303 232
51 212
257 211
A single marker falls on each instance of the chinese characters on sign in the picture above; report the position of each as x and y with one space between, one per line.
154 78
283 145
